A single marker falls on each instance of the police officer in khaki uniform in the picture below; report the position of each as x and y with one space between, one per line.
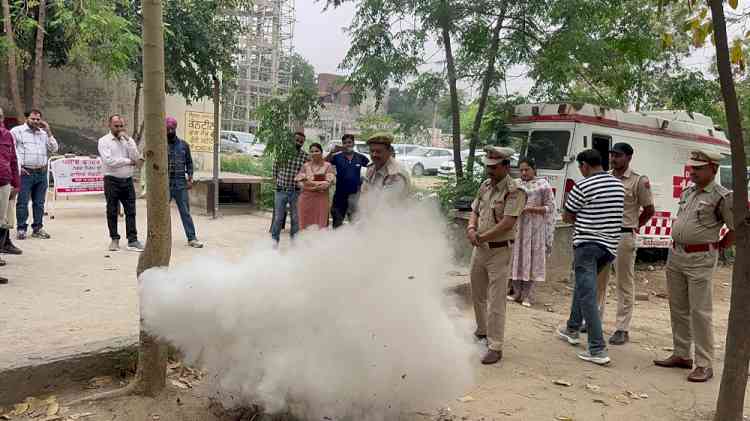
637 196
385 174
705 207
491 230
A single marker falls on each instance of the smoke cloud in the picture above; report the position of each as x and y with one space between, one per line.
346 324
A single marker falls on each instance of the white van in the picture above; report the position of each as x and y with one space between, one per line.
553 134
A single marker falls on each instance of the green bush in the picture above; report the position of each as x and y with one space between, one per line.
452 190
259 167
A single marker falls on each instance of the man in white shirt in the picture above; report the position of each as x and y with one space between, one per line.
120 157
34 141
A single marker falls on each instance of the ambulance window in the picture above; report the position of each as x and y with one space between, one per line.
518 141
548 148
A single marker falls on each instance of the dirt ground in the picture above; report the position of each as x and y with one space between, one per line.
79 294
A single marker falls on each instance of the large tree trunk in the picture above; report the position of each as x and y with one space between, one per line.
152 358
486 83
730 403
455 110
39 55
15 93
28 86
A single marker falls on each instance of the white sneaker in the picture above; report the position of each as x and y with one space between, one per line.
195 244
135 246
526 304
601 358
114 245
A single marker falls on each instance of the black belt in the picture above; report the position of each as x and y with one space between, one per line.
499 244
37 169
630 230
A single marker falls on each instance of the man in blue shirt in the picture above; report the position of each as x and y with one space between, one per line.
348 164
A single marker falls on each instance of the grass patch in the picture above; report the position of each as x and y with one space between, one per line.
259 167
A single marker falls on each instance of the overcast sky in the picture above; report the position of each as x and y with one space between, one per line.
320 38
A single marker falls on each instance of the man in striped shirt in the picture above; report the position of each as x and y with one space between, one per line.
595 206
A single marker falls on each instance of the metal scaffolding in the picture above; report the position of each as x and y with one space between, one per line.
263 64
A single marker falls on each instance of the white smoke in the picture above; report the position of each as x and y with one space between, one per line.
346 324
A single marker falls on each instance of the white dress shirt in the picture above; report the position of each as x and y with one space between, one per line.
117 155
32 146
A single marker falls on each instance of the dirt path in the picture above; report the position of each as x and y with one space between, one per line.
66 291
69 290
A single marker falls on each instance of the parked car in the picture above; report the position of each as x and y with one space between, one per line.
404 149
240 142
448 168
426 160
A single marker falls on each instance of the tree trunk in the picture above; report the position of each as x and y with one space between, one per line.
730 403
15 94
486 83
28 87
137 109
152 358
39 55
217 127
455 110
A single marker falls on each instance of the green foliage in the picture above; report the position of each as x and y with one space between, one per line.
260 167
303 74
372 123
411 114
77 31
202 38
274 129
464 189
609 50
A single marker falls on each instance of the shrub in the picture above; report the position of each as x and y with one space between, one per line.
259 167
454 190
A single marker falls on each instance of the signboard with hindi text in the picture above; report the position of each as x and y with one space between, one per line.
199 131
77 176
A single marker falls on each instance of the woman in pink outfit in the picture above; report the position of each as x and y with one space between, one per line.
315 179
536 228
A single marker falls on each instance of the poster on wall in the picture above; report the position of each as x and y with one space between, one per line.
77 176
199 131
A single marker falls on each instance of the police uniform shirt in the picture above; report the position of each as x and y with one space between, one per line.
702 213
637 195
494 201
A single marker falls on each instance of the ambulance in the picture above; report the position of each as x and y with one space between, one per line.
553 134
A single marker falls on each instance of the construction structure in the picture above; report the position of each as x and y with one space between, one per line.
263 63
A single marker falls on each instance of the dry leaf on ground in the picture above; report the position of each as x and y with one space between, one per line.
466 398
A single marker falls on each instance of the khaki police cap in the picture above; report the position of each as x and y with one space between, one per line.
381 138
702 157
496 154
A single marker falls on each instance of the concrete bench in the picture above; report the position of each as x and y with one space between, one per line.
238 193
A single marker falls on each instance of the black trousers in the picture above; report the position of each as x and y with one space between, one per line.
116 191
344 205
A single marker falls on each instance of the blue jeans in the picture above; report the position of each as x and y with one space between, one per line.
281 199
590 259
34 187
180 196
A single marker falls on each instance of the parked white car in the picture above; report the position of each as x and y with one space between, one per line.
426 160
448 168
240 142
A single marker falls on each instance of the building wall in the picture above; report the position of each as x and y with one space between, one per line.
77 103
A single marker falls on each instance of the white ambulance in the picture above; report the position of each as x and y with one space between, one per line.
553 134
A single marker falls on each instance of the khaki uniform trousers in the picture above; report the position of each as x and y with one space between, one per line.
490 270
690 286
624 266
5 206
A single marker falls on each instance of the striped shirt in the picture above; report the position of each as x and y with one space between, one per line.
598 202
